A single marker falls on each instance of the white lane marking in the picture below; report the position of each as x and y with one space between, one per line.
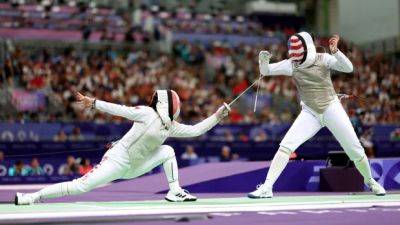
358 210
91 206
276 213
225 214
327 211
336 211
316 211
174 206
390 210
188 209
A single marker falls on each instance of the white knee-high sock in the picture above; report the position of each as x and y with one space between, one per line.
278 163
51 191
364 168
171 171
57 190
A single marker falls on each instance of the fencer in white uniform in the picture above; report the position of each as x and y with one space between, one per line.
138 151
320 106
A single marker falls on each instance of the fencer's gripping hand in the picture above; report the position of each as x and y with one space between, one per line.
223 111
333 43
263 62
86 101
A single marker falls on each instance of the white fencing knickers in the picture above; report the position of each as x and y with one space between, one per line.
335 118
114 165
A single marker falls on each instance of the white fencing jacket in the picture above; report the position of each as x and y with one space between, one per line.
314 83
148 133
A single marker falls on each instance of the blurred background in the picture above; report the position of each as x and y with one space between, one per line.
207 50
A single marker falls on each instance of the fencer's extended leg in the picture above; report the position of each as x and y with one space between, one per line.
338 122
304 127
106 171
165 155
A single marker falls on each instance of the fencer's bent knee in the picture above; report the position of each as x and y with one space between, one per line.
168 151
73 187
358 157
355 151
79 186
288 146
284 150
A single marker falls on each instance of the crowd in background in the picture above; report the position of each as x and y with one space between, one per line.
140 23
204 75
19 167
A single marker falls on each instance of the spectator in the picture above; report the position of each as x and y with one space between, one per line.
261 136
85 166
225 154
243 137
356 121
366 142
189 153
395 135
3 166
69 168
34 169
228 136
76 135
2 158
18 169
235 157
61 136
86 30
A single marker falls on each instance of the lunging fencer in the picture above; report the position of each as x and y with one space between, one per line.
320 106
139 150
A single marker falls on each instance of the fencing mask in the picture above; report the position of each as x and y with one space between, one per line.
302 49
167 104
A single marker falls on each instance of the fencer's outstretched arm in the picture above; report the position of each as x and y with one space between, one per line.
131 113
183 130
283 67
338 61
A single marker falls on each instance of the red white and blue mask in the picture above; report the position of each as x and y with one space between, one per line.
301 49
